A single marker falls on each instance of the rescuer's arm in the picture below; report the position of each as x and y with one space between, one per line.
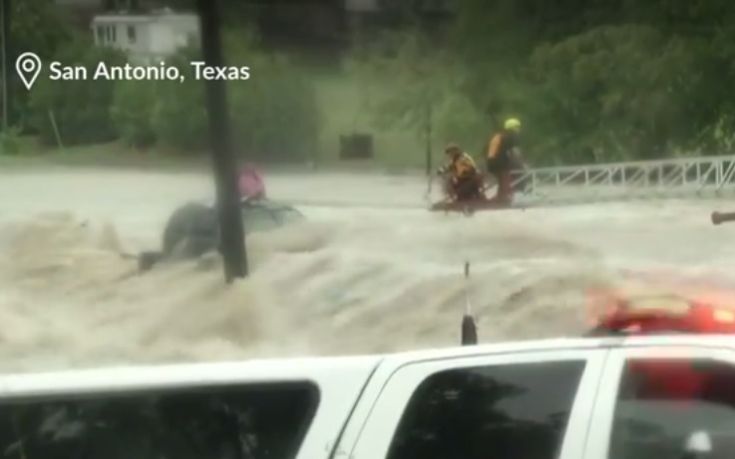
494 146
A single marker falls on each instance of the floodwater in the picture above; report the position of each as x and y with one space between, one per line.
369 271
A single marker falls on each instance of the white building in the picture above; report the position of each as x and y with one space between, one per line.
146 37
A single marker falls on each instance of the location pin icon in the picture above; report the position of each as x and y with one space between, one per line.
28 67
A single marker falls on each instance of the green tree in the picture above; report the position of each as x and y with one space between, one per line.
410 83
179 116
623 92
601 79
81 108
132 112
37 26
274 114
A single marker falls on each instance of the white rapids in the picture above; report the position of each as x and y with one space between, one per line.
370 271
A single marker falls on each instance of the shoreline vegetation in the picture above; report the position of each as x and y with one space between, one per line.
616 81
116 156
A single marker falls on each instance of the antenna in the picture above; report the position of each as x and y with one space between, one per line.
469 328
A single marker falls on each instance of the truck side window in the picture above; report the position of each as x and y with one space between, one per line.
515 411
663 404
243 422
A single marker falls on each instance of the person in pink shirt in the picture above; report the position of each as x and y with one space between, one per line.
250 183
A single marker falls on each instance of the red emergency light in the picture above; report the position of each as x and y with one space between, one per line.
630 315
663 314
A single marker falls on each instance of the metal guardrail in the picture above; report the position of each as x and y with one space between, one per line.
676 177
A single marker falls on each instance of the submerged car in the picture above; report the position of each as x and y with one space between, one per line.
193 229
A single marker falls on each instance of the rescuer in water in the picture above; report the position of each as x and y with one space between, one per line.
464 181
503 157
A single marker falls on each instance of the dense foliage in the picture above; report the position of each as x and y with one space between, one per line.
593 80
274 115
38 26
79 108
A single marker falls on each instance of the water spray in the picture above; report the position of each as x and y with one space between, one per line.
469 328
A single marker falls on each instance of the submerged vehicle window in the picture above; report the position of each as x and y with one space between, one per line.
511 411
238 422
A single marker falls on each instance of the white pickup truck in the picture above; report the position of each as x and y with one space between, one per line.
567 398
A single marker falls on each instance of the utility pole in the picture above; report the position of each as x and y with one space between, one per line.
4 53
232 241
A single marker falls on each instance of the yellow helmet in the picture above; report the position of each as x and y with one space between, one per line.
452 148
512 124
